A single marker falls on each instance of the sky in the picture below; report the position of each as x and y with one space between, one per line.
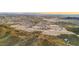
76 14
59 12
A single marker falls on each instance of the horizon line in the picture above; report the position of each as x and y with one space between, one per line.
45 12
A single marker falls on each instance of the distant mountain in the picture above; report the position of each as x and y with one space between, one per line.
77 18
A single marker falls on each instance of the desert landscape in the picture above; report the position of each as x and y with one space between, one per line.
28 29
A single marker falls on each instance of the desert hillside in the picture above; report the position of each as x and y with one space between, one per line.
29 30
